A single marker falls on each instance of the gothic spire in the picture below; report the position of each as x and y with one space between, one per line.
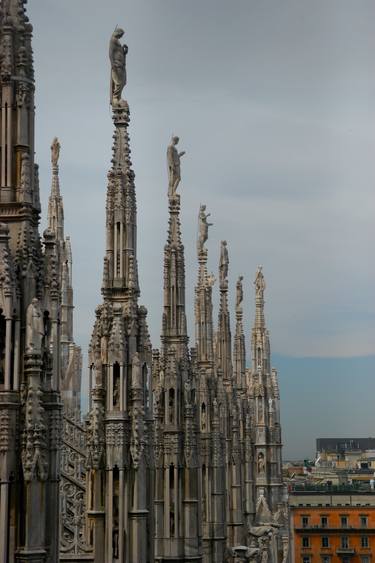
260 286
203 295
223 336
174 331
55 202
239 353
17 174
120 279
260 339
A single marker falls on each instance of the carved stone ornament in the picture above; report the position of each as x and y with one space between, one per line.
224 263
203 226
117 56
174 167
34 328
55 152
34 454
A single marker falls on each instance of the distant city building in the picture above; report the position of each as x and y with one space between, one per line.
332 524
346 453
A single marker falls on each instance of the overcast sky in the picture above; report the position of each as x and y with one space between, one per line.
274 103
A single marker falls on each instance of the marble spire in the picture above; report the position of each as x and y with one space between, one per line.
119 422
223 335
174 330
260 345
55 203
239 351
203 297
120 277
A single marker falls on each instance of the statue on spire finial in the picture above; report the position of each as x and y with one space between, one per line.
117 56
239 292
203 228
174 167
224 263
55 151
260 284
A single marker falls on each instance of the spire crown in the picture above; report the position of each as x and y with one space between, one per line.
55 203
260 286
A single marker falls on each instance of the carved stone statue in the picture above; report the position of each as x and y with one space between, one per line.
239 292
117 56
187 387
261 463
224 262
260 284
26 176
285 544
215 408
174 167
55 151
136 371
203 227
211 280
34 328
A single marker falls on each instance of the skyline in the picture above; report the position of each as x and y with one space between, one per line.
267 143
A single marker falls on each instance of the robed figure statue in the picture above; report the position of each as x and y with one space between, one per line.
117 56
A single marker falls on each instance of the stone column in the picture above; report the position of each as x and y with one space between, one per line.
109 515
4 518
8 350
138 518
16 369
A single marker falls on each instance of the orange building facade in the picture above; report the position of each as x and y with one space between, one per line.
332 527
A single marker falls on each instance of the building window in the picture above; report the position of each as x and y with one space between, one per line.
365 559
305 521
325 541
171 406
306 559
363 521
324 521
326 559
344 542
344 521
364 541
305 541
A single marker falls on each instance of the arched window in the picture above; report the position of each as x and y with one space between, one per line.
203 417
171 405
146 384
116 385
204 492
171 501
118 255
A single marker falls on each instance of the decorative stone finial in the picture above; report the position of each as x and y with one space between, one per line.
117 56
239 292
260 284
203 228
174 167
55 151
224 263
